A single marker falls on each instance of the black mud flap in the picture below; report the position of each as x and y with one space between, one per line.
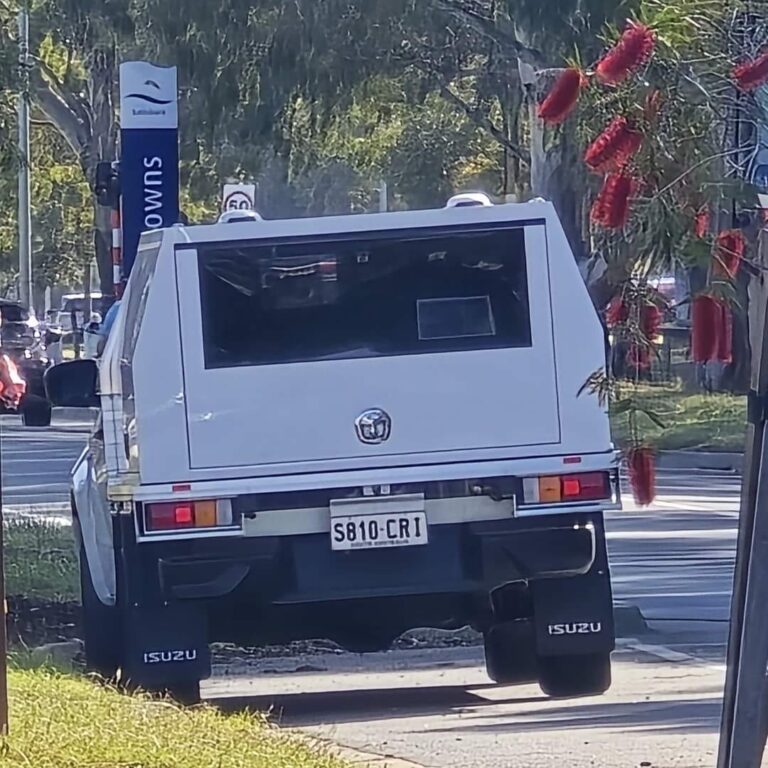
166 645
574 615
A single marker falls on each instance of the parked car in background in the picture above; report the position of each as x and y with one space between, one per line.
77 303
24 362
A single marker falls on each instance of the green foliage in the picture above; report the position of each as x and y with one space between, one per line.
41 561
62 215
673 420
67 720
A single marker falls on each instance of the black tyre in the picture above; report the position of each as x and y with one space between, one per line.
510 653
187 694
101 627
571 676
35 411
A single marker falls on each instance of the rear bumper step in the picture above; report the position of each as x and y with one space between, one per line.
471 558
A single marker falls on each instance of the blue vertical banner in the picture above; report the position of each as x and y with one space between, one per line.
149 152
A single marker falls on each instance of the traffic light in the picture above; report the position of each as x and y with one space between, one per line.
107 184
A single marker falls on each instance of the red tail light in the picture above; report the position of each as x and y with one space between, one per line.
185 515
561 489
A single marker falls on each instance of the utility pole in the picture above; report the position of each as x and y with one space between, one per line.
743 721
383 197
26 294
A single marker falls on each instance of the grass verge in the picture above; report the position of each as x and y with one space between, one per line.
40 561
694 422
60 721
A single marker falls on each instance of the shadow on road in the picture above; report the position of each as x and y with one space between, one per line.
351 706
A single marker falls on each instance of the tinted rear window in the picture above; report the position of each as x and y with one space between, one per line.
305 301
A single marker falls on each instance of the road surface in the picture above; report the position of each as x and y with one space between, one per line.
435 707
36 462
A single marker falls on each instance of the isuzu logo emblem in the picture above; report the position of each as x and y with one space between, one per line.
373 426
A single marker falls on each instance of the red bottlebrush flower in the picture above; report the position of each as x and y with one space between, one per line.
617 312
614 146
701 222
639 354
650 321
562 96
724 351
634 49
751 74
729 251
642 474
708 329
611 207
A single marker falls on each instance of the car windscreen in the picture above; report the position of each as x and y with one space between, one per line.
390 294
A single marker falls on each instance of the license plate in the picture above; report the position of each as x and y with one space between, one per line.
403 529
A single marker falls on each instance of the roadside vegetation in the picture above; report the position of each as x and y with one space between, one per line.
676 420
62 719
67 721
40 562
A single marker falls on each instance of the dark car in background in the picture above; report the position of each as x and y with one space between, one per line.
20 340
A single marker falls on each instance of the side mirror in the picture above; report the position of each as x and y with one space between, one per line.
73 384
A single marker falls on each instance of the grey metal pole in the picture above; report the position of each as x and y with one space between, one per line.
383 197
26 294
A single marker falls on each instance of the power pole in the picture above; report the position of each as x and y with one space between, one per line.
26 294
743 720
383 197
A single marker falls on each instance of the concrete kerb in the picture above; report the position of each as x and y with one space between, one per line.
701 460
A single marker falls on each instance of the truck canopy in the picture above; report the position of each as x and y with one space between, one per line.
268 348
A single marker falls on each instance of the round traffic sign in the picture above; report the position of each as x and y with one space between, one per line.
238 201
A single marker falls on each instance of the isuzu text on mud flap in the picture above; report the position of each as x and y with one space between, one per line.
347 428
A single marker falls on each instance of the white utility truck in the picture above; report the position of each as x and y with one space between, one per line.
347 428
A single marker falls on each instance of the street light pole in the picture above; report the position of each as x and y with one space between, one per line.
26 294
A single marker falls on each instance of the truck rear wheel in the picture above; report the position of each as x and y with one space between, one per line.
577 675
187 694
510 653
101 627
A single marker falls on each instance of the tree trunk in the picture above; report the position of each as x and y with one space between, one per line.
555 165
102 84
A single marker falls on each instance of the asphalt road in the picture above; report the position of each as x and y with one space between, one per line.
36 462
436 708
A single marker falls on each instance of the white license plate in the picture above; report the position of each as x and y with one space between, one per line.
394 529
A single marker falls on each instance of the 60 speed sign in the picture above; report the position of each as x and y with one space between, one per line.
239 197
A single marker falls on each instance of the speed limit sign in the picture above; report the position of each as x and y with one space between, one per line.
239 197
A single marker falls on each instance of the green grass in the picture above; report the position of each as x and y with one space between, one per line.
40 561
697 422
62 721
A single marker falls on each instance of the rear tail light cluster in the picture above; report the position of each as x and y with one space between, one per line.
186 515
563 489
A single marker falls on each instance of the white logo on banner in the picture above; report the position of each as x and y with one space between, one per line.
239 197
148 96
